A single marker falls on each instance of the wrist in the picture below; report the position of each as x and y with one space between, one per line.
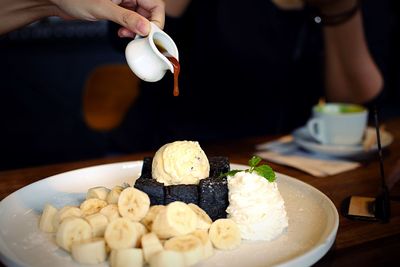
332 13
51 7
36 9
16 14
334 7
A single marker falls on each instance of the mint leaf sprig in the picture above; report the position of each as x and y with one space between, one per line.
263 170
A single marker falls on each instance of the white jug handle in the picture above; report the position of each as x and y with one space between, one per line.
316 129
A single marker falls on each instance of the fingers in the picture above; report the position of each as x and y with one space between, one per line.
125 33
133 22
156 8
128 19
153 10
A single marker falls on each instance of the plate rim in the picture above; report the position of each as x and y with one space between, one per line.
309 257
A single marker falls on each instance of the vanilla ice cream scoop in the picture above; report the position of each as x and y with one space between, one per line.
180 162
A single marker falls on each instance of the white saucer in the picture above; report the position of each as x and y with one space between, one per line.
303 139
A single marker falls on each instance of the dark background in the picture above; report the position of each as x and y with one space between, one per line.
44 66
43 70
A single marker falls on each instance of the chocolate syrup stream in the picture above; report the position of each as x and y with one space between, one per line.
175 63
177 68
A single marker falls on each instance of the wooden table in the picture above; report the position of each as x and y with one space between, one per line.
357 243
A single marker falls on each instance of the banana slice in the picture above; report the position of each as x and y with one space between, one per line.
167 258
141 230
151 214
65 212
176 219
72 229
133 204
225 234
203 220
99 192
92 251
208 249
98 222
46 219
120 234
113 195
92 206
150 245
111 212
128 257
189 245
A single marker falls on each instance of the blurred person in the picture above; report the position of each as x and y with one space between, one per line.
17 13
255 68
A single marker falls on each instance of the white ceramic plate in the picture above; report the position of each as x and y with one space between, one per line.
303 139
313 221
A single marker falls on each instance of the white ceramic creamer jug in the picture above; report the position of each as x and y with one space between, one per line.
146 60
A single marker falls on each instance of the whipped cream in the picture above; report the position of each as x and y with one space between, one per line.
256 205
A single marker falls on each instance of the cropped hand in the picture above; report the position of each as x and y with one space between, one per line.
132 15
325 6
330 7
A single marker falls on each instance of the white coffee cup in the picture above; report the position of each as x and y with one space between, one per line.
145 59
338 123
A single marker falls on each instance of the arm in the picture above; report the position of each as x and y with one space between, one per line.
17 13
351 74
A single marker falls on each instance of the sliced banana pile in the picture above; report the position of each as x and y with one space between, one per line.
119 225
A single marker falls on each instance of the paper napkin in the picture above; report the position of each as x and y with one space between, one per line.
284 151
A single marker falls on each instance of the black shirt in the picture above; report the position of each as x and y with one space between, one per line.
245 71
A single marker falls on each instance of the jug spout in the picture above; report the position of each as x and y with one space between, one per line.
167 49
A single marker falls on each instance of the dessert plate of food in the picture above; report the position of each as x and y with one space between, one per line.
143 212
303 139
